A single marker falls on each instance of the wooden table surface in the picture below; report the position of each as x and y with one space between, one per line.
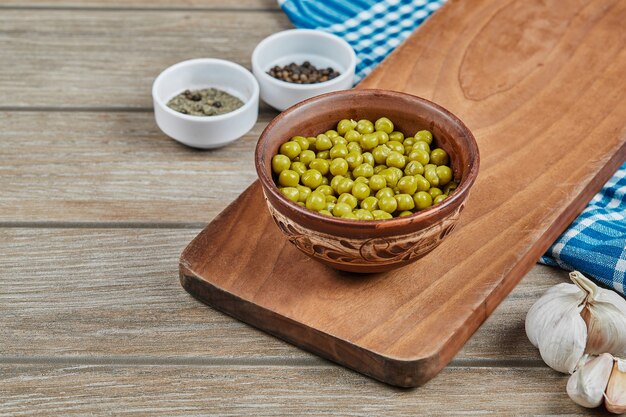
96 205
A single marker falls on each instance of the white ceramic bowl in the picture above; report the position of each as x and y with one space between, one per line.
322 49
206 131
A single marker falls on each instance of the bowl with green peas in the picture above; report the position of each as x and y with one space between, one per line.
366 180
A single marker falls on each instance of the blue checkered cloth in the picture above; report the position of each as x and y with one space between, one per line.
595 243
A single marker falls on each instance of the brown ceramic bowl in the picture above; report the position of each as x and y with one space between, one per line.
379 245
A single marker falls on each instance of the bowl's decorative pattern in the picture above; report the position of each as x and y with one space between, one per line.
364 252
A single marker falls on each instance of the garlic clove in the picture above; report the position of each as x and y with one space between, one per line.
586 386
562 343
615 396
555 298
605 315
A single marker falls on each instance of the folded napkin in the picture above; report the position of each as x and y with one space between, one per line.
595 243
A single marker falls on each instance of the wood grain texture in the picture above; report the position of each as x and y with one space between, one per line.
114 295
114 167
537 174
243 5
110 58
276 391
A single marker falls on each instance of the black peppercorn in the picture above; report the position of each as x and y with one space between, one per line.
302 74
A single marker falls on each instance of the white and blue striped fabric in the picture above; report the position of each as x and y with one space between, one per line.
595 243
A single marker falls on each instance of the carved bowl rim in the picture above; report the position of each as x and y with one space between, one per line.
372 228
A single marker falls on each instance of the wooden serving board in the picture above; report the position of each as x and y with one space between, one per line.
542 86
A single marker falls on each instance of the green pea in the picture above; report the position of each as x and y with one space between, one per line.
299 167
316 201
377 182
397 136
364 180
408 141
341 208
368 158
300 203
291 193
388 204
444 173
422 183
325 213
363 214
420 156
396 159
339 166
369 141
306 157
339 140
330 205
321 165
380 153
323 155
303 192
420 144
280 163
364 126
369 203
288 178
311 140
422 200
363 170
290 149
302 141
381 215
450 187
325 189
352 136
390 177
384 124
350 215
429 167
413 168
379 168
424 135
345 186
335 181
325 181
439 198
331 133
403 213
345 125
354 159
355 147
395 146
405 202
408 149
360 190
431 176
349 199
339 151
323 142
382 137
439 157
434 192
407 185
312 178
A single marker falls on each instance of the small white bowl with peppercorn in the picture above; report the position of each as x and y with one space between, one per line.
294 65
205 103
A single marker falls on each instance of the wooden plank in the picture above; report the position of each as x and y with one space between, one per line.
74 166
275 391
110 58
244 5
114 293
544 155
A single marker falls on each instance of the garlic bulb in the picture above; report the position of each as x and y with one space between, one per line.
615 396
555 326
605 315
570 320
586 386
